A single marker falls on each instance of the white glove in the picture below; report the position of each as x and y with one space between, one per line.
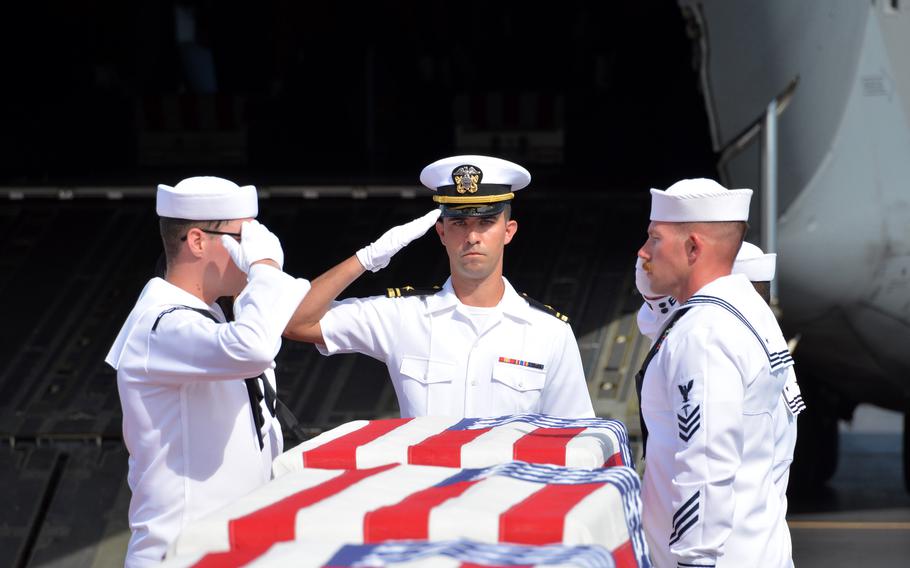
377 255
642 282
256 243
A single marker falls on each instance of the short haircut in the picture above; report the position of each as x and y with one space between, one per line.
173 230
728 235
731 231
764 290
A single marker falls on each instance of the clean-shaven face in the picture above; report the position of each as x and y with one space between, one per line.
475 244
232 278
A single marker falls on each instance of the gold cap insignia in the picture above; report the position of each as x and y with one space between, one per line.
466 179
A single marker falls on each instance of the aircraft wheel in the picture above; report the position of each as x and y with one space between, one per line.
816 455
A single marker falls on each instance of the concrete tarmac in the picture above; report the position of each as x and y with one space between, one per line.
862 518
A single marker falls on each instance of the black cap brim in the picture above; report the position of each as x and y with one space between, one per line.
473 209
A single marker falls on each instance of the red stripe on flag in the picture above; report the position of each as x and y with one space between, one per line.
276 522
614 460
341 453
443 449
624 555
539 519
410 517
544 445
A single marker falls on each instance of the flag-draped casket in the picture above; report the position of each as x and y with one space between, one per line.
463 442
516 503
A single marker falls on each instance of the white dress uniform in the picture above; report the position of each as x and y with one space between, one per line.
449 359
651 317
186 412
709 400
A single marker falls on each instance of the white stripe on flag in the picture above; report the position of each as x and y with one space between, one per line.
211 532
493 447
340 517
292 460
590 447
309 554
599 518
475 513
392 447
183 561
433 562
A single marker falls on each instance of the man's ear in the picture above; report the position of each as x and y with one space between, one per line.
511 229
195 242
694 246
440 230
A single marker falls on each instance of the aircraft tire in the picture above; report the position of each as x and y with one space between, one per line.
816 455
905 456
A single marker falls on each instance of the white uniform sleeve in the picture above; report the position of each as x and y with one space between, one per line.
187 346
706 390
653 314
566 392
361 325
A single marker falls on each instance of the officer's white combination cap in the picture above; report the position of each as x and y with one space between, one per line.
699 200
755 264
207 198
473 185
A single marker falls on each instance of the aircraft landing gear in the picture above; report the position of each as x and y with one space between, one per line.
815 457
906 449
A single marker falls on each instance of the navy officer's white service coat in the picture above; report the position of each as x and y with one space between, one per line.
187 421
708 399
449 359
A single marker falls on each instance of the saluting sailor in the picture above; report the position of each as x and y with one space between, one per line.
475 347
194 389
710 390
759 268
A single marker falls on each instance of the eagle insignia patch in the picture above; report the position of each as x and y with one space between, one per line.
466 178
689 417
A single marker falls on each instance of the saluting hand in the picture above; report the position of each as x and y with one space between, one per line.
377 255
256 243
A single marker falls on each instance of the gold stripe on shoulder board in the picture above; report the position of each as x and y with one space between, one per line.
545 308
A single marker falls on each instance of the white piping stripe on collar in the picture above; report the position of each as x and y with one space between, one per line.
777 360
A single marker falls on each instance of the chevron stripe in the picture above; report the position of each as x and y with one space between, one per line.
684 518
688 425
687 437
796 405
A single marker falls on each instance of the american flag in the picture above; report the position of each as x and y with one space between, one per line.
421 554
516 503
463 442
